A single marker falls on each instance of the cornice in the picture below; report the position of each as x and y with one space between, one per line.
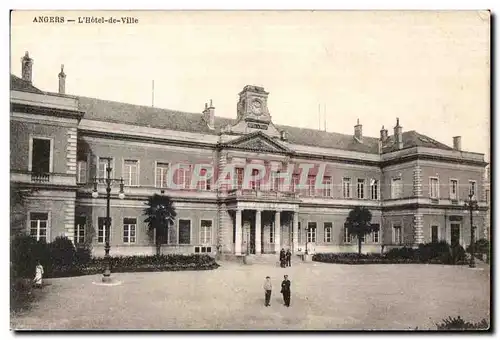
48 111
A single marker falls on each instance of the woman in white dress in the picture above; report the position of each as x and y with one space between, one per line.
38 275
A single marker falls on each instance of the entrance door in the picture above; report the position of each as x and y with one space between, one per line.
455 234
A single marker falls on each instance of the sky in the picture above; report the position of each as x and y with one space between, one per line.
429 69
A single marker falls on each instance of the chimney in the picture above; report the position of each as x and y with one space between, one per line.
27 67
62 81
457 143
398 134
283 135
358 132
209 115
383 134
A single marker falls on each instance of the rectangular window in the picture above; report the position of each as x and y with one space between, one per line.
453 189
397 237
255 184
103 166
239 178
311 232
39 225
279 182
396 188
161 179
79 236
41 155
184 232
129 228
206 232
434 234
327 182
434 187
182 176
346 187
203 184
376 234
374 189
299 236
328 232
101 230
271 234
361 188
347 237
81 172
295 182
310 185
473 189
131 172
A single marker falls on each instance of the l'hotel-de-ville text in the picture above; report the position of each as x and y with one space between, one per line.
86 20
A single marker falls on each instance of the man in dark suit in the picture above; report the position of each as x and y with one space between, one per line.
285 290
288 257
282 258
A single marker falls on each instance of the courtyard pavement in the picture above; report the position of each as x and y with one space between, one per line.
324 297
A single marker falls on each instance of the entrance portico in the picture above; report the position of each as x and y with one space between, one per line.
260 228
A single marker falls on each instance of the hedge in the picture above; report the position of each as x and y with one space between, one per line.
128 264
432 253
60 259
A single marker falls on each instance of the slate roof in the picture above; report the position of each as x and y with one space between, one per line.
19 84
116 112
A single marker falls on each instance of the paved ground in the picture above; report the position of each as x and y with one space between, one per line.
324 296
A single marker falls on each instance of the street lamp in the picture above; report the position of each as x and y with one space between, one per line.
471 205
109 181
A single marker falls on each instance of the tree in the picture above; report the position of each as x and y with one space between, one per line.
160 215
358 223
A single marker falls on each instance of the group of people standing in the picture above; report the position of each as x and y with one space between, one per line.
285 290
285 258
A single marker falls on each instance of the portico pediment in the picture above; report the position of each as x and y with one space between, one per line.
258 141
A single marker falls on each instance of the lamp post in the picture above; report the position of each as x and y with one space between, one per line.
471 205
106 278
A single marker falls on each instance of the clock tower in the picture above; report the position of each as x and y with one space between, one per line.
252 105
252 114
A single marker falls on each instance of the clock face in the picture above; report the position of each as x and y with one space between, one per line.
256 107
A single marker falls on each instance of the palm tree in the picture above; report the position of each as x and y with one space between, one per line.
160 215
358 223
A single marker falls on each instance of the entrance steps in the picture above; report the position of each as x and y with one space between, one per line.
265 259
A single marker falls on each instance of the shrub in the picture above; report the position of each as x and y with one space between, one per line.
458 255
62 252
401 253
25 252
481 247
83 255
21 293
430 252
458 323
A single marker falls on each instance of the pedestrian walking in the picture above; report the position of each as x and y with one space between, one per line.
285 290
288 257
282 257
268 287
37 281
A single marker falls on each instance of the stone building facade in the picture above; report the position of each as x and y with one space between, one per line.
414 186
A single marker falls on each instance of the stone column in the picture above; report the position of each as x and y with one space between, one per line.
258 230
418 233
295 238
277 231
417 181
238 233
